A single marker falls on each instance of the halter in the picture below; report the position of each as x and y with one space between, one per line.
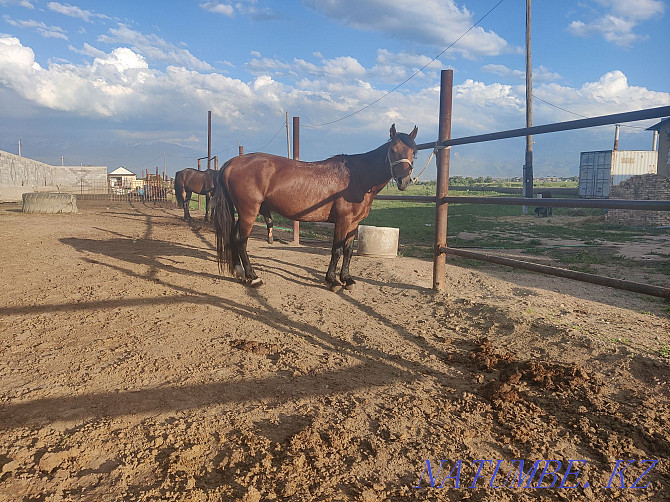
399 161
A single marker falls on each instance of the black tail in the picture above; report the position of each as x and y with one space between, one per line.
178 193
224 221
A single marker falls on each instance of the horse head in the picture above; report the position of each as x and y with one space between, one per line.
400 156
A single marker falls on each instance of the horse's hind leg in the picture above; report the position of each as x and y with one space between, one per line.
268 222
207 198
240 239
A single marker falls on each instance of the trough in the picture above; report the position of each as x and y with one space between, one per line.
378 241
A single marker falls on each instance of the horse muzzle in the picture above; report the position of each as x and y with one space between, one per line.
403 183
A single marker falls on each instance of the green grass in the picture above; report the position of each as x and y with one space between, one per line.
486 226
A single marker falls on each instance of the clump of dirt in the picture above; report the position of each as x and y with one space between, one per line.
258 348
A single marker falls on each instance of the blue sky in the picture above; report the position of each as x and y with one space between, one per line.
121 83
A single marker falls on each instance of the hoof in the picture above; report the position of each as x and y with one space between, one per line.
335 286
254 283
270 240
350 285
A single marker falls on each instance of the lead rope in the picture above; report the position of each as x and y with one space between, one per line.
435 149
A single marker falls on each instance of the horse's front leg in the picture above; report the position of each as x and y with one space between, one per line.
345 276
187 205
339 241
207 198
331 274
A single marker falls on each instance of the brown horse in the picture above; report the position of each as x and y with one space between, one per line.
339 190
190 180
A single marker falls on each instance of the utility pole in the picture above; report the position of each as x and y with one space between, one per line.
296 156
528 165
209 138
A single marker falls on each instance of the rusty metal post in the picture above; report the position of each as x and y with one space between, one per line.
240 150
296 156
198 164
442 190
216 162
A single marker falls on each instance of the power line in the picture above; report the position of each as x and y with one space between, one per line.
411 76
579 114
281 128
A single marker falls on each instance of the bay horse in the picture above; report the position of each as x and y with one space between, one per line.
191 180
339 190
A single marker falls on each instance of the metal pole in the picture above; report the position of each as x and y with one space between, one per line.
442 190
209 140
615 118
296 156
528 164
616 137
288 139
654 142
562 272
240 150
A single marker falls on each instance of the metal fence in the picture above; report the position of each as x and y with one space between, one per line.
154 189
442 198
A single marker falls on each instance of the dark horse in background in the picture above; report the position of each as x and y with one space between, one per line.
191 180
188 181
339 190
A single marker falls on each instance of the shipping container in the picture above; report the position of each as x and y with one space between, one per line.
594 174
627 163
598 171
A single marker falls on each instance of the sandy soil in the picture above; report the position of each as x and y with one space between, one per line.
131 370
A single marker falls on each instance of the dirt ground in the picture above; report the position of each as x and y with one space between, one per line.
131 370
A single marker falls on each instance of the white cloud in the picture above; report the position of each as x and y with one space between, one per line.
638 9
43 29
431 22
153 47
618 24
389 68
74 11
21 3
540 74
218 8
247 8
123 84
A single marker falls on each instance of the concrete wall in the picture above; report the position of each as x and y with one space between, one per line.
19 175
88 179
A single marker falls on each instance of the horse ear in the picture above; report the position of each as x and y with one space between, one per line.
393 133
413 133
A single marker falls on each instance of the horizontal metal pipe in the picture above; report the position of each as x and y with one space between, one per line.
635 287
649 113
650 205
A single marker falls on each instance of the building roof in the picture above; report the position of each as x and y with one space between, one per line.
122 171
657 127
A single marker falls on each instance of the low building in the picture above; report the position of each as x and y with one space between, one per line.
122 178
